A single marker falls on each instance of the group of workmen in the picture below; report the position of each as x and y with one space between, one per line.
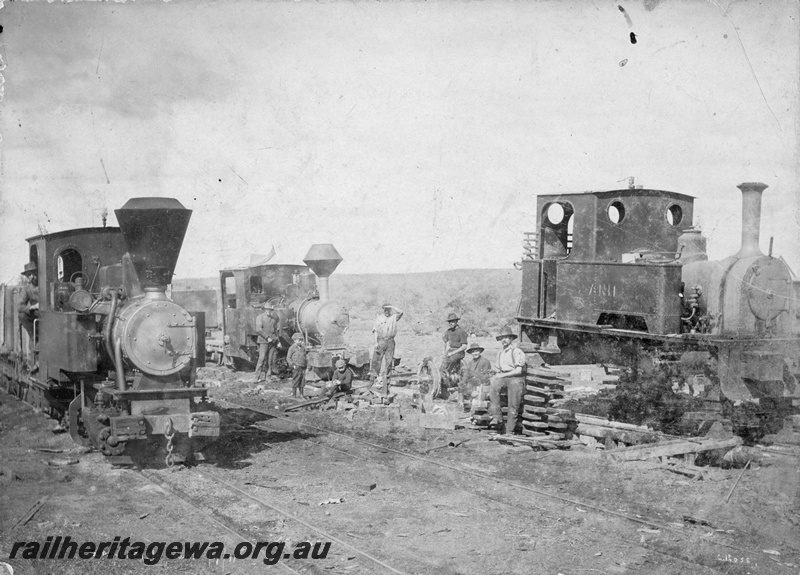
506 374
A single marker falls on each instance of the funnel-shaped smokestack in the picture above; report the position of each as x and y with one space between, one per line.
153 229
323 259
751 218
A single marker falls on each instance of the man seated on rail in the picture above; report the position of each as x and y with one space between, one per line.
475 371
510 368
341 380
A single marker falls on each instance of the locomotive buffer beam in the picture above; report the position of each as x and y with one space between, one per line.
140 423
156 394
198 424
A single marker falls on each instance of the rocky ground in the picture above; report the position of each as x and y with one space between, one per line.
389 494
403 502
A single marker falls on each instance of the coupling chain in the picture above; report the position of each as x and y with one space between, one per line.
169 433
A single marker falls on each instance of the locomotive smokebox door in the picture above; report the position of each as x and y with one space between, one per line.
158 335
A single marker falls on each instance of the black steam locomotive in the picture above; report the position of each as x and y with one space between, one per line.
109 353
613 276
299 295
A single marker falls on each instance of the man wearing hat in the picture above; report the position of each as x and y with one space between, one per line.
476 370
342 379
385 330
296 358
267 330
455 344
510 375
29 303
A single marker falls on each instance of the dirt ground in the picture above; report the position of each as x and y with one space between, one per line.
403 502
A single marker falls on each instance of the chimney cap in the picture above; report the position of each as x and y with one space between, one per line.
752 185
322 259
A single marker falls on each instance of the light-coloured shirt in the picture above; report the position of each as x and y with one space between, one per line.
385 327
509 358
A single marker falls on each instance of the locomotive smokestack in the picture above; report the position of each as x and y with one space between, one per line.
751 218
153 229
323 259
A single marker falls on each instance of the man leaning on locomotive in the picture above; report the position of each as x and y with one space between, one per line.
29 303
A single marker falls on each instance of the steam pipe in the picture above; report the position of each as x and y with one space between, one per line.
121 384
751 218
111 315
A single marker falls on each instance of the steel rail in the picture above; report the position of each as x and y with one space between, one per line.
155 480
596 508
232 487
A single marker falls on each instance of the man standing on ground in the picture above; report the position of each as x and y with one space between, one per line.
385 330
510 375
267 330
455 344
296 358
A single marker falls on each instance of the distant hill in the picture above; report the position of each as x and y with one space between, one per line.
486 299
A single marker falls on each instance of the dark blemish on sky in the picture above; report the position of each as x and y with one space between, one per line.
623 62
625 13
725 36
633 38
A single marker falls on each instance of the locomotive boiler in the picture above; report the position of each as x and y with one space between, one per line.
110 354
614 276
300 297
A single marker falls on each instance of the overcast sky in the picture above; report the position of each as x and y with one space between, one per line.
413 136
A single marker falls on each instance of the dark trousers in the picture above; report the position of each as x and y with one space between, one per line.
451 363
516 389
384 352
298 379
267 355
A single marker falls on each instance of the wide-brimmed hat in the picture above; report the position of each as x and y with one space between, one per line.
452 317
30 267
384 306
506 332
297 336
475 347
340 363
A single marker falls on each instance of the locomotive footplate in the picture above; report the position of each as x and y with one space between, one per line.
198 424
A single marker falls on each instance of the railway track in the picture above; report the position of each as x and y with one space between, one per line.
560 507
210 487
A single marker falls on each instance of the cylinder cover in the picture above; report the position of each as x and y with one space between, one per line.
158 336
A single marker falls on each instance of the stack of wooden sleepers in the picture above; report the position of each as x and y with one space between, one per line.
540 420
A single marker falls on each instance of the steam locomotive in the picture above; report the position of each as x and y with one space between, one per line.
301 300
612 276
109 353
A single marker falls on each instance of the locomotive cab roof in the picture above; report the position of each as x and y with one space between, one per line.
606 225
